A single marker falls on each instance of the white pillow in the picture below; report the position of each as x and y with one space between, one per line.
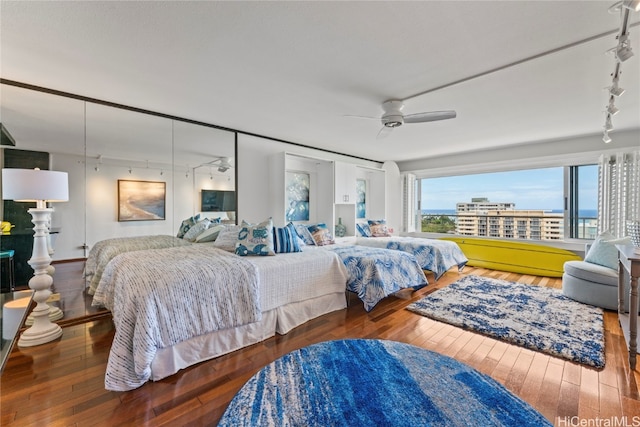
603 250
210 234
227 238
196 230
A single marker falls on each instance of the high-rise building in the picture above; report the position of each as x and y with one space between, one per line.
484 218
480 204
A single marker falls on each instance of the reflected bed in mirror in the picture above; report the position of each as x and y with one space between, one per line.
98 143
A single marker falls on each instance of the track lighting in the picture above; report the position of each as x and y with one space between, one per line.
623 52
614 89
608 126
611 109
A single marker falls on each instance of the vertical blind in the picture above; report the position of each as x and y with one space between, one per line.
618 191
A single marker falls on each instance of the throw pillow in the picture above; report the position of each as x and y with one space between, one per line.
227 238
285 239
378 228
255 239
363 230
603 250
304 234
187 224
321 234
196 230
210 234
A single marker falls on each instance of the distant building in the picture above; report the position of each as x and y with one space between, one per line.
484 218
482 204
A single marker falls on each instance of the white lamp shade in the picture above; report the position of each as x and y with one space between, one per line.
29 185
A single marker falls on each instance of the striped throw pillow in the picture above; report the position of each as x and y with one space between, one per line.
285 239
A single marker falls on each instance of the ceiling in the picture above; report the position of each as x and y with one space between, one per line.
516 72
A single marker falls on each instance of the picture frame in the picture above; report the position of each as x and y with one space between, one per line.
297 192
141 200
361 199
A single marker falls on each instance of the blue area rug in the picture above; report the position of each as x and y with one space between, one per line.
374 383
530 316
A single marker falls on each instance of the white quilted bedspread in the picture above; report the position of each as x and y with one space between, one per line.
105 250
160 297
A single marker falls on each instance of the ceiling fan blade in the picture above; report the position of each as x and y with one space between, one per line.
430 116
384 132
361 117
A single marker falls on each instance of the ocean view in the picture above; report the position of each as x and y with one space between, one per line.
584 213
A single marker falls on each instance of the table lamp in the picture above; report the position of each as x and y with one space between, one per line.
40 186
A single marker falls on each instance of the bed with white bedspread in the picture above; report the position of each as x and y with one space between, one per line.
179 306
435 255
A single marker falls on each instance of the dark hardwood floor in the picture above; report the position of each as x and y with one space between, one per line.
62 383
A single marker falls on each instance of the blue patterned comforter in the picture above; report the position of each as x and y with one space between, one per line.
376 273
437 256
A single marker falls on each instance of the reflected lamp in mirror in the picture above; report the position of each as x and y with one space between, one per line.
40 186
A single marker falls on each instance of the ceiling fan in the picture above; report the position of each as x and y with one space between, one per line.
393 117
223 163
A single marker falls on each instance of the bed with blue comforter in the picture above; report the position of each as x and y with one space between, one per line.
435 255
375 273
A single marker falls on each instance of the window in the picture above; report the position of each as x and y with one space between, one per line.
582 202
533 204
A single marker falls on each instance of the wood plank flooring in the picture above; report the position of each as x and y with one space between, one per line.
62 383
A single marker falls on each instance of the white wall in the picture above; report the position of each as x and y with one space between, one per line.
560 152
254 154
69 216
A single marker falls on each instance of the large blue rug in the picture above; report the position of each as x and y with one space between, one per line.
531 316
374 383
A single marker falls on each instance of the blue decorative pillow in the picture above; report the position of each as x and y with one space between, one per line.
304 234
378 228
187 224
321 234
604 252
255 239
363 229
285 239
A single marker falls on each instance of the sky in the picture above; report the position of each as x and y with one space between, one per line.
528 189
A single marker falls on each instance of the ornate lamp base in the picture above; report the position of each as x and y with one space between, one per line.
42 330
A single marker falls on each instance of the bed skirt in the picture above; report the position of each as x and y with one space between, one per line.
282 319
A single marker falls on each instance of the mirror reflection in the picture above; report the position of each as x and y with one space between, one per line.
130 174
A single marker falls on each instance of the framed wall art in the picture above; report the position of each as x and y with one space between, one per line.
361 200
141 200
297 196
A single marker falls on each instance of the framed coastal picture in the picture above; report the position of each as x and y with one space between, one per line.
141 200
297 196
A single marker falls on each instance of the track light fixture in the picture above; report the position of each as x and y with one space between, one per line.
608 126
614 89
622 53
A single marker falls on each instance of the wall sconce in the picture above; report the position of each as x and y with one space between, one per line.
40 186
